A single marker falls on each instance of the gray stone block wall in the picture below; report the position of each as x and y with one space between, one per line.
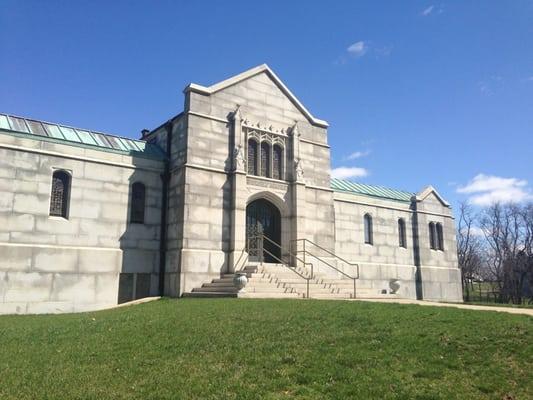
385 260
52 264
203 249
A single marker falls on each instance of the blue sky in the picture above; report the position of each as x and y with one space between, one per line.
416 93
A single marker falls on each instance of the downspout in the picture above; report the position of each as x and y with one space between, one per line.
165 178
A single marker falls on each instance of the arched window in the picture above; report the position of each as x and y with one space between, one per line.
60 194
440 238
138 194
252 157
277 163
402 239
432 236
368 229
265 159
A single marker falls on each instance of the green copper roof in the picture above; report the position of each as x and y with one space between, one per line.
341 185
78 137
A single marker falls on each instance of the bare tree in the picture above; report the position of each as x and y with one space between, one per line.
507 230
468 249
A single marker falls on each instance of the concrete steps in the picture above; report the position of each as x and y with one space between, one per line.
278 281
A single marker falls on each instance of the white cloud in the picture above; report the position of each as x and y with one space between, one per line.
357 49
487 189
357 154
476 231
348 172
427 11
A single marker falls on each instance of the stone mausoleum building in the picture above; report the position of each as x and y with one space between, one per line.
237 182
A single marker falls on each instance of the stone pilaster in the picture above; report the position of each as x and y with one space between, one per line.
298 203
238 194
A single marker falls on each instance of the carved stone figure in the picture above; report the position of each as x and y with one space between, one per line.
299 170
238 154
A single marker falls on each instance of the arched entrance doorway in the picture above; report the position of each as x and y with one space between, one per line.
263 217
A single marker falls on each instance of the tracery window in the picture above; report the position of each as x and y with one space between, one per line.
277 163
265 159
265 152
252 157
402 239
60 194
138 200
368 229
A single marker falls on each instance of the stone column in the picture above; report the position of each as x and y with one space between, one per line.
238 194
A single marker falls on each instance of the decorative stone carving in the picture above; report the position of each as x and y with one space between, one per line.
237 116
394 285
266 184
298 168
240 280
240 160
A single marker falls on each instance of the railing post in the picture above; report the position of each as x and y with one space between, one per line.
307 287
354 293
261 249
305 264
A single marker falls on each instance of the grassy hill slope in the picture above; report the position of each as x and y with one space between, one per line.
267 349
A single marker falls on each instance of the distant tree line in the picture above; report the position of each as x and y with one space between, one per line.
495 252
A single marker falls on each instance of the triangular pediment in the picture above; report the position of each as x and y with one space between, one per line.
430 191
261 69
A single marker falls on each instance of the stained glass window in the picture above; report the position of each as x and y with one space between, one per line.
60 193
252 157
277 165
138 192
265 159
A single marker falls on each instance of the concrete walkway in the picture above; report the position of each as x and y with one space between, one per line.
510 310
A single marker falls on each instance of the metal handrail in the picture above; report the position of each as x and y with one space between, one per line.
262 249
354 278
291 254
237 269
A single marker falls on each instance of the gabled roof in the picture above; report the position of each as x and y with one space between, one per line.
429 190
342 185
248 74
78 137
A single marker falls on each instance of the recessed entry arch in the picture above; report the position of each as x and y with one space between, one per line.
263 217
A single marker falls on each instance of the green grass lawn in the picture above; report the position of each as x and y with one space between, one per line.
267 349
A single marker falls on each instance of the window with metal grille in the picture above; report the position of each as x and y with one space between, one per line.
60 193
138 192
265 159
368 229
277 163
402 240
252 157
440 237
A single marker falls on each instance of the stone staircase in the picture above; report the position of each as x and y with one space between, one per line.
278 281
